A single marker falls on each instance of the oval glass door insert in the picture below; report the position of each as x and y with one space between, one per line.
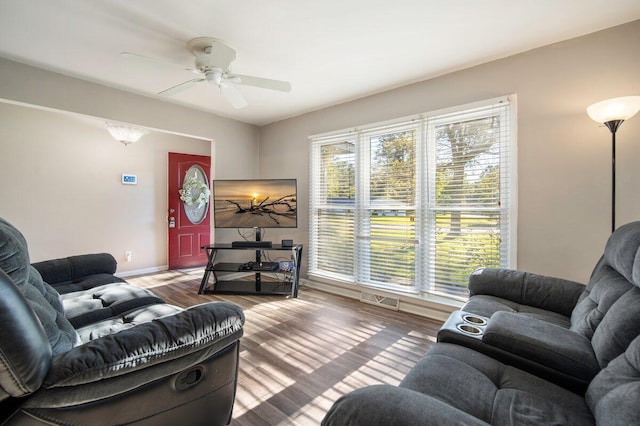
195 194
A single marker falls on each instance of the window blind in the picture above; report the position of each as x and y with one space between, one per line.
332 208
469 196
386 227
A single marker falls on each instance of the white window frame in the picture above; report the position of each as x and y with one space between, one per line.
424 175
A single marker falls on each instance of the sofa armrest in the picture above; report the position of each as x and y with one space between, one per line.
389 405
72 268
540 291
208 328
542 342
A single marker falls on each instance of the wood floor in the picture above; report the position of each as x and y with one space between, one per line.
300 355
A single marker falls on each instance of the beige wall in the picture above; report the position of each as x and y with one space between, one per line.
60 173
61 186
564 157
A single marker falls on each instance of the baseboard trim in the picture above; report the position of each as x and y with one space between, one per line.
125 274
413 305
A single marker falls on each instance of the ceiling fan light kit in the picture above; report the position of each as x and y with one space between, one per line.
212 61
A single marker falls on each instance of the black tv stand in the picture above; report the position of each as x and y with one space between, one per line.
286 283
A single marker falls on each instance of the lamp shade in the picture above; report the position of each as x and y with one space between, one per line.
124 133
614 109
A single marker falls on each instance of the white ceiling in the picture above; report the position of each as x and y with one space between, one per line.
331 51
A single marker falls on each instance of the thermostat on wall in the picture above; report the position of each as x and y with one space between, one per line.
129 179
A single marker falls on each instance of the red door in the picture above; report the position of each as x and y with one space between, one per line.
189 218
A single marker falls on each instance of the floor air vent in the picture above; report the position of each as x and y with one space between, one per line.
380 300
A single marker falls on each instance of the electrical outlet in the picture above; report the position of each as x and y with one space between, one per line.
127 255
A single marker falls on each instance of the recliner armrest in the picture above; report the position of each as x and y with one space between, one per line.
71 268
540 291
542 342
208 328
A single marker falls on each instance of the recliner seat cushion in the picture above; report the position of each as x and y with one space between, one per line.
125 321
494 392
96 304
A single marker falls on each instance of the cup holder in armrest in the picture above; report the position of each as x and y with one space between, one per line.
469 329
462 326
474 319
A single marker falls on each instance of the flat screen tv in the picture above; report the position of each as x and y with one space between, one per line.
257 203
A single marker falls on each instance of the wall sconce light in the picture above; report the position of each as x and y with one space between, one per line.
125 133
611 113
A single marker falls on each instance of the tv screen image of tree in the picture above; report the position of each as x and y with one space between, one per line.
262 203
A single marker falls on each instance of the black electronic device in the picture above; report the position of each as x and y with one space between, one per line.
245 266
266 266
287 243
256 203
259 266
251 244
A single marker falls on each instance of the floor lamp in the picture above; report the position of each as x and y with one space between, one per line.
612 113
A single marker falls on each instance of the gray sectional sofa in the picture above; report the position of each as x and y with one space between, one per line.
526 349
88 348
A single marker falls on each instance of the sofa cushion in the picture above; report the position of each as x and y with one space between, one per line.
617 272
125 321
96 304
614 394
486 305
618 328
493 392
77 273
73 268
604 288
86 283
524 288
43 299
622 252
390 405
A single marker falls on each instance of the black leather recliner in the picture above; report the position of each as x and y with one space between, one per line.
156 364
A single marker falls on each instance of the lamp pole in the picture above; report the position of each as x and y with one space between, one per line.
611 113
613 126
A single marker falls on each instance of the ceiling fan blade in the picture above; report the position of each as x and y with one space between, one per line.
180 87
233 96
265 83
155 61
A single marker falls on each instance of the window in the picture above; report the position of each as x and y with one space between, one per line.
416 205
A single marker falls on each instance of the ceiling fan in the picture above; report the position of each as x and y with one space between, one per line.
213 58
